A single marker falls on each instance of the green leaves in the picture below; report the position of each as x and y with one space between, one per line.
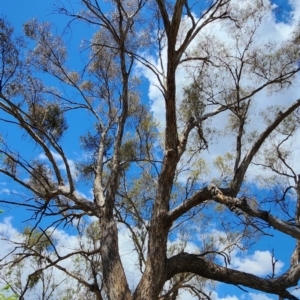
40 178
47 119
192 105
36 239
9 54
224 165
4 291
50 53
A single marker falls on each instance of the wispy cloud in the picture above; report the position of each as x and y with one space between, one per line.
5 191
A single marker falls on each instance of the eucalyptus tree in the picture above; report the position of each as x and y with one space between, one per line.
156 177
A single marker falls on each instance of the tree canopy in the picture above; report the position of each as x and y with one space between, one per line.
207 156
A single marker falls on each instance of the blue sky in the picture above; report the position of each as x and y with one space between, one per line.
19 11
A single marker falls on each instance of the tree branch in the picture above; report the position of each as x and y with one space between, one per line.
241 170
185 262
188 204
243 205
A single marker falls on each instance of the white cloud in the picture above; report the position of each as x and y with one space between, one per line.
269 31
247 296
64 241
296 292
65 244
10 238
259 263
7 232
129 257
259 296
181 243
216 296
185 295
228 298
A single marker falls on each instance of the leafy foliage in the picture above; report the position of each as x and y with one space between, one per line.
4 297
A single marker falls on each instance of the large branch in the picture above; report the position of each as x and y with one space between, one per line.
243 205
212 192
82 203
164 14
185 206
241 170
185 262
176 19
